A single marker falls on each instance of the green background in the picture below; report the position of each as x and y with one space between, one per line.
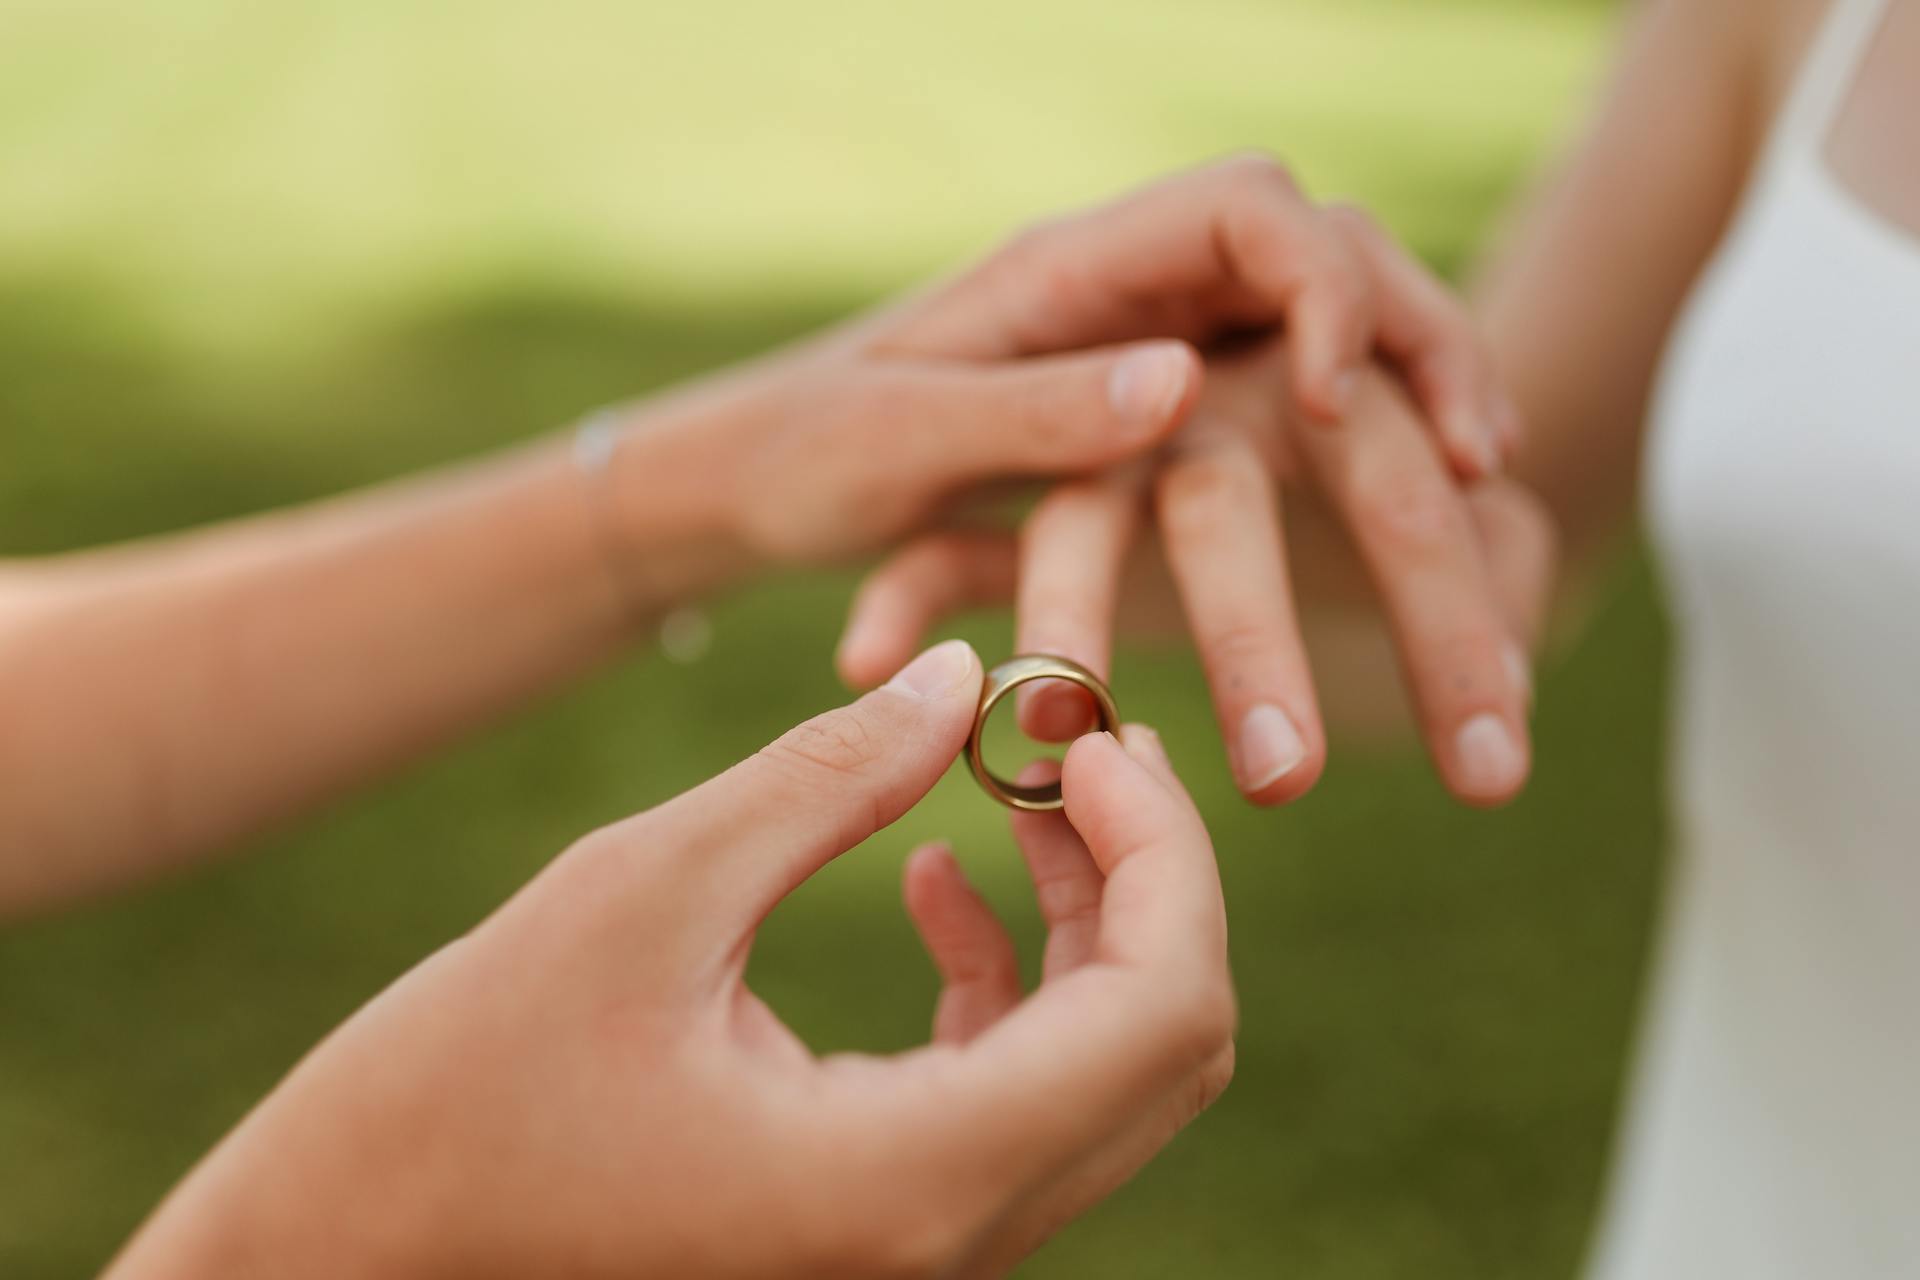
253 253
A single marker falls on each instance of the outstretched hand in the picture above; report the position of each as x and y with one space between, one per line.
1072 349
585 1085
1245 497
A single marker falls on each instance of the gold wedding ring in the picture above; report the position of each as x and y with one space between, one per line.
1004 679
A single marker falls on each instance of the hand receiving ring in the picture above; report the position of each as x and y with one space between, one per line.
1004 679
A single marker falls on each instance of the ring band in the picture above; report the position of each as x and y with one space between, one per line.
1004 679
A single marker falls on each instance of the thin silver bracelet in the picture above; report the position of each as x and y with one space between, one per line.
684 634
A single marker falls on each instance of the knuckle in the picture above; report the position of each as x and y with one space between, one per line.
1235 644
1343 286
1471 656
1045 433
1407 509
1066 898
1034 240
1454 337
1076 516
1200 487
1205 1086
1262 167
838 743
1070 504
1031 262
1204 1021
1355 221
601 858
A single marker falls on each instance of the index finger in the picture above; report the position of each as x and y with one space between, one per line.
750 836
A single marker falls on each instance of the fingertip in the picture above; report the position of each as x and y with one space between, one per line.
1119 806
854 664
870 649
1328 387
1490 759
1099 773
1149 383
1192 384
1143 743
944 671
928 857
1093 751
930 879
1297 782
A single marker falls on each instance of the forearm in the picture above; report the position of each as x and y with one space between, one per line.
1582 296
164 699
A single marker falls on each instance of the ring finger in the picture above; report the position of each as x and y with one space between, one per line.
1073 551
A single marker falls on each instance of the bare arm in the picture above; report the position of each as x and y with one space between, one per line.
166 698
1581 296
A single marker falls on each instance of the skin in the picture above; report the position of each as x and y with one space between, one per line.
376 626
417 611
1869 142
584 1086
1460 576
1575 309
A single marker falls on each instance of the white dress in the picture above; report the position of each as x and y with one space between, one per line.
1775 1126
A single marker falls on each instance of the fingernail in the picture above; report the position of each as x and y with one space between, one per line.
1488 756
1520 671
935 673
1148 385
1270 748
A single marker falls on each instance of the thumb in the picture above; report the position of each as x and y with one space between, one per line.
1051 414
753 834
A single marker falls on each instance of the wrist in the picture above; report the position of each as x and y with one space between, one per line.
661 479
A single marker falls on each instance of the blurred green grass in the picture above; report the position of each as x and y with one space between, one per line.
252 254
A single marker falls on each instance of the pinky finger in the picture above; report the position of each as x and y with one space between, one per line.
914 589
1522 551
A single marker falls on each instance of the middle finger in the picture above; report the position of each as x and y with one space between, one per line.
1218 516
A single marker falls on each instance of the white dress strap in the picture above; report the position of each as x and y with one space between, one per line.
1846 34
